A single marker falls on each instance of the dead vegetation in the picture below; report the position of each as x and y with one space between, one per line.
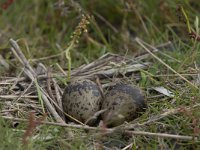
169 77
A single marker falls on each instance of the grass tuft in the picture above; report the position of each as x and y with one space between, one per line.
50 32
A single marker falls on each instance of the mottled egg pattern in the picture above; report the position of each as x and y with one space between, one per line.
81 99
123 103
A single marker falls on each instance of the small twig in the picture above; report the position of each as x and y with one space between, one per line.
9 110
100 86
9 80
95 116
28 105
40 93
20 56
60 68
49 82
17 96
47 58
25 91
111 130
128 146
163 135
4 63
58 98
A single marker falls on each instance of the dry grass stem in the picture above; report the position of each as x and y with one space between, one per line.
162 62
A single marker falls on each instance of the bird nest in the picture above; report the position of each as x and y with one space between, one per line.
38 92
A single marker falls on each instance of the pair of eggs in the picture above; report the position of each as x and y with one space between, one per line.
83 98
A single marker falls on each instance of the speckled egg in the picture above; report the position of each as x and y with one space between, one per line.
122 103
81 99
